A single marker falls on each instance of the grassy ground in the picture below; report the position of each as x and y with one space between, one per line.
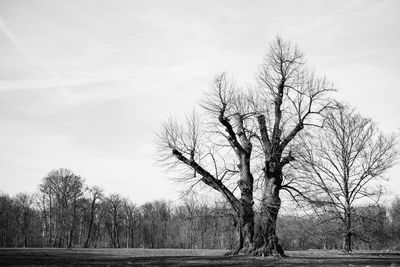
183 257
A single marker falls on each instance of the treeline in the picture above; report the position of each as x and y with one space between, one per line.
374 228
67 213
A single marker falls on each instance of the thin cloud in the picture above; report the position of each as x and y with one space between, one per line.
26 52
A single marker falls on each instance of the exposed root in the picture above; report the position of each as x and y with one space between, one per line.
247 250
269 251
272 249
233 252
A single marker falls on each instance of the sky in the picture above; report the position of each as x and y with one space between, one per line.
85 84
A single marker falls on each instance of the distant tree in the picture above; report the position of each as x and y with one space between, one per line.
113 206
8 219
25 203
163 215
62 190
131 222
370 227
394 212
342 163
150 225
95 195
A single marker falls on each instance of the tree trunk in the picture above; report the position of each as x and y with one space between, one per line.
25 240
347 236
348 224
347 242
72 230
245 211
246 199
246 232
90 227
267 240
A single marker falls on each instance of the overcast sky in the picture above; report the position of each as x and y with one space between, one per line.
84 84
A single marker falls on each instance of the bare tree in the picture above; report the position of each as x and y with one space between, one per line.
24 202
63 189
220 150
217 150
290 98
342 164
114 219
95 196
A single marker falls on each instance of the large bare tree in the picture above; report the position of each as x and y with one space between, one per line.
218 149
289 98
218 144
342 164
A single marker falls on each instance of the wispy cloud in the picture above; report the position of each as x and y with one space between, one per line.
27 53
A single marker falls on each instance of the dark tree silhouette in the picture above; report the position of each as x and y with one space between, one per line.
218 144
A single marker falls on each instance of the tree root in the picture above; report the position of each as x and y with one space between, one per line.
247 250
233 252
266 251
263 251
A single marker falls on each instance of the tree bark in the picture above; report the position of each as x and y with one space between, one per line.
348 225
348 234
246 199
245 214
267 240
347 242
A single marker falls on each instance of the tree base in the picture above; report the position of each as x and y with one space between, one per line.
264 251
347 251
233 252
247 250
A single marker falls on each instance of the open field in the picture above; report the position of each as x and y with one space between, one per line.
183 257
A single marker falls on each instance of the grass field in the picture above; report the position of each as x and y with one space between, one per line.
187 257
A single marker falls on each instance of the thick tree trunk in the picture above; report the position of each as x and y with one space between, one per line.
246 199
347 242
246 231
348 233
246 212
267 240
